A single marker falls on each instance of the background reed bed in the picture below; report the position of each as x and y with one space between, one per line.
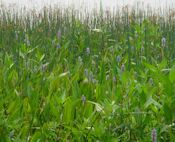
67 75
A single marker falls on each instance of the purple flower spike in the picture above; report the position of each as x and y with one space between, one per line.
53 42
154 135
86 72
118 59
88 51
123 68
16 34
26 40
163 42
59 34
114 79
83 99
58 46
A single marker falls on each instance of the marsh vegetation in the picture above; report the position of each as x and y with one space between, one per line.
100 76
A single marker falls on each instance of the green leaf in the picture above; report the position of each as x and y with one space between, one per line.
36 137
172 74
167 113
64 74
151 101
42 57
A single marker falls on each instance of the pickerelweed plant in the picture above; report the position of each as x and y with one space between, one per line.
100 76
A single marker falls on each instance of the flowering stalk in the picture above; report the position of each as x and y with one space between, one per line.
154 135
83 99
123 68
163 42
59 35
88 51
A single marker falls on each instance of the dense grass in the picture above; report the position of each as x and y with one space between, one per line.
68 76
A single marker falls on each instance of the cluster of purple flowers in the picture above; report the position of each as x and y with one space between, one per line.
90 76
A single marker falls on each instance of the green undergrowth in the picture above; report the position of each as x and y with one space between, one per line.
99 77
